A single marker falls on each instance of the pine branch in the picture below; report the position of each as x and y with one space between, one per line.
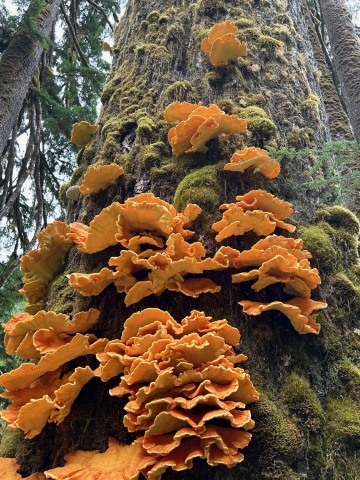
102 11
73 34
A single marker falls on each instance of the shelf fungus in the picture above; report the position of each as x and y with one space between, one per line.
199 126
141 220
283 267
118 462
99 177
81 133
34 335
253 157
38 392
9 471
298 310
40 265
166 271
222 45
257 210
181 379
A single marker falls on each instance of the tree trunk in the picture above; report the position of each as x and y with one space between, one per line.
18 65
306 420
345 48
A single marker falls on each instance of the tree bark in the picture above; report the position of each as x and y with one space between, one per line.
345 48
17 67
308 383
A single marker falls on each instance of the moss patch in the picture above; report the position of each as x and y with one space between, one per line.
9 442
320 246
343 421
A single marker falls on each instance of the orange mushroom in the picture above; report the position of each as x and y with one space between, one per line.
118 462
20 329
202 124
181 378
81 133
253 157
9 471
222 45
298 310
39 265
99 177
298 277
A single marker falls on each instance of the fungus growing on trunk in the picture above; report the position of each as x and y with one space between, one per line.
298 310
181 378
253 157
81 133
99 177
222 45
201 125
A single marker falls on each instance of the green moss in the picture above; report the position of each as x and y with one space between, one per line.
61 296
282 32
213 78
343 421
302 401
277 436
201 187
339 218
164 19
349 376
181 91
269 42
311 102
145 127
258 122
244 22
298 138
9 442
153 17
320 246
154 155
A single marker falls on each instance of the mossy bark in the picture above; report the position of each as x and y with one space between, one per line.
17 67
345 48
157 61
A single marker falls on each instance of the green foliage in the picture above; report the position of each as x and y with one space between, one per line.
336 162
33 13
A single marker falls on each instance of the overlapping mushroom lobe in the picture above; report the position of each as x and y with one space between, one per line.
180 378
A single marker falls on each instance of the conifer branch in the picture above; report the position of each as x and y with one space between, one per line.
73 34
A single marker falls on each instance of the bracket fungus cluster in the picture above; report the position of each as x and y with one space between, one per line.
154 234
198 124
181 379
81 133
257 210
40 265
38 392
222 45
253 157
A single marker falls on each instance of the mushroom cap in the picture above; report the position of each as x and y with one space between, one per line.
253 157
81 133
298 310
237 222
91 283
226 48
9 471
262 200
99 177
118 462
218 30
178 111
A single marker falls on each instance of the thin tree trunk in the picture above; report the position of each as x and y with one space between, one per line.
345 48
17 67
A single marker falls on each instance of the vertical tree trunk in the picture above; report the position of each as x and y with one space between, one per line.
306 421
18 65
345 48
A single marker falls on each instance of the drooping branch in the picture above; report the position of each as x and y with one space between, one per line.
102 11
74 37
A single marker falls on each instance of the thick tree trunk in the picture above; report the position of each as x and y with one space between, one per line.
345 48
17 67
306 420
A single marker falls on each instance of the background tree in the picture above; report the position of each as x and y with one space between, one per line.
306 419
66 65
